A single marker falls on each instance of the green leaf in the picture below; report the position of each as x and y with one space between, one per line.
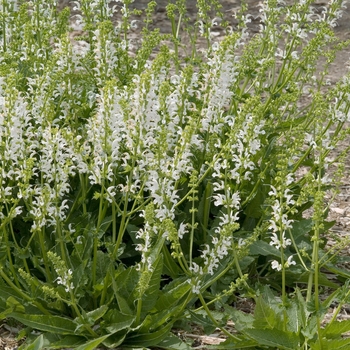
170 267
263 248
322 280
264 316
297 313
336 329
254 207
338 270
124 286
151 294
148 339
274 337
331 344
124 306
47 323
96 314
204 207
103 261
172 296
153 321
125 283
15 305
83 250
38 344
7 292
91 345
115 321
172 342
57 341
242 320
202 320
310 331
115 340
301 228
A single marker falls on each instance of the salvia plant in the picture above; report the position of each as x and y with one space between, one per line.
147 186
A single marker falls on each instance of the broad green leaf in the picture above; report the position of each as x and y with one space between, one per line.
124 286
204 207
148 339
254 208
96 314
297 313
274 337
38 344
81 277
154 321
114 340
151 294
336 294
126 282
115 321
124 307
331 344
7 292
170 267
264 316
57 341
336 329
202 320
242 320
15 305
171 297
103 261
47 323
5 313
322 280
310 330
83 250
106 222
301 228
294 323
91 345
338 271
263 248
172 342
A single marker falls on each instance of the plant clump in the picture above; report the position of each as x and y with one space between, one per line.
144 191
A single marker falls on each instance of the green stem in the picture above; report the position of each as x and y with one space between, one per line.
95 244
9 255
44 253
205 306
283 274
297 250
21 294
193 226
83 190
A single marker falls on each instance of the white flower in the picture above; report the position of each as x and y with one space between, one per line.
289 262
65 280
275 240
182 230
276 265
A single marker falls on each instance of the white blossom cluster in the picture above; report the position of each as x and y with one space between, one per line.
279 222
144 138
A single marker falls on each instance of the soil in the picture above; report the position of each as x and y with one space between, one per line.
339 209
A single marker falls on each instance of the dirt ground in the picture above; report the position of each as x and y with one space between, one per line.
340 208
